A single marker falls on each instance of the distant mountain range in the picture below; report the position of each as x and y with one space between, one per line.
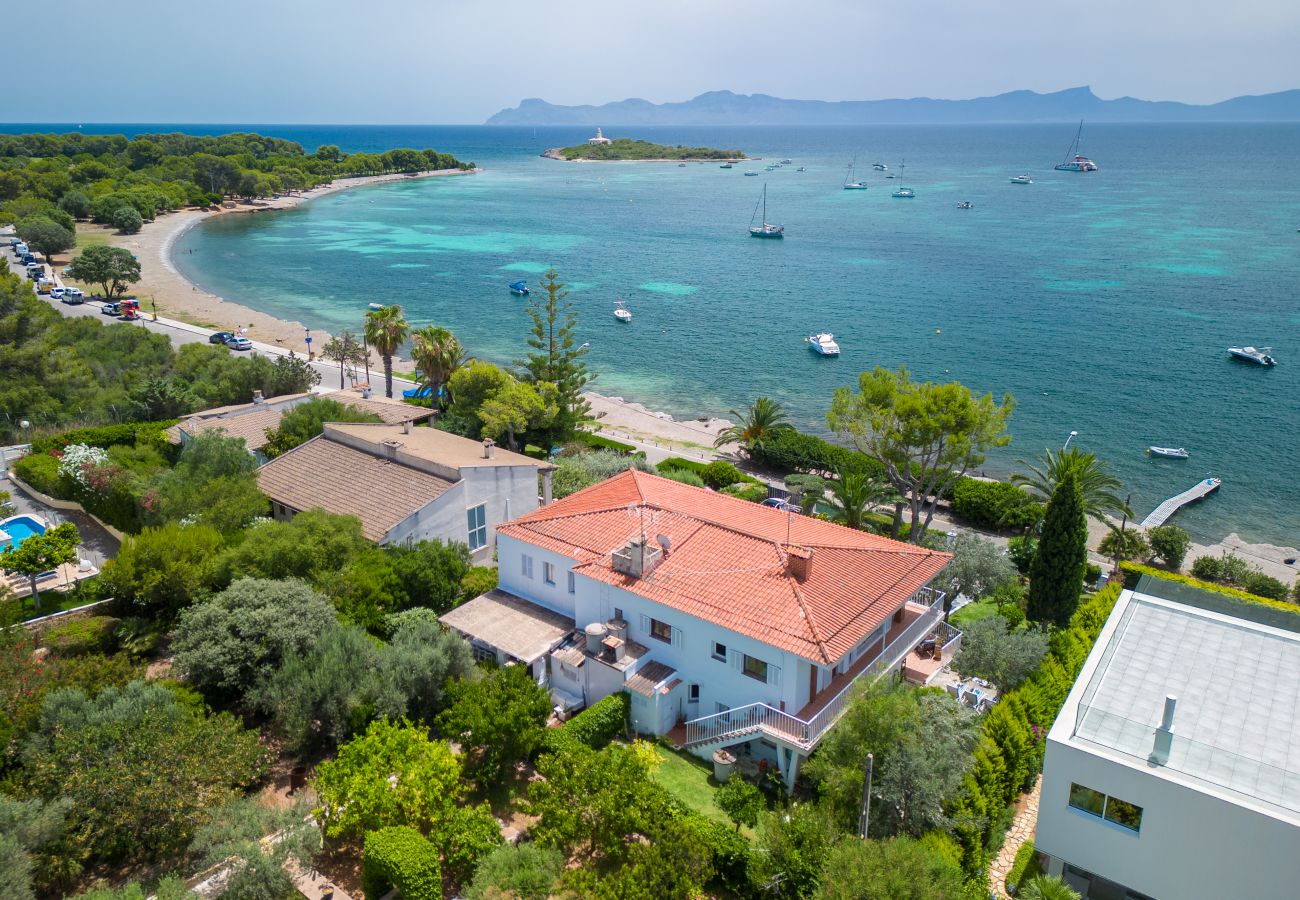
727 108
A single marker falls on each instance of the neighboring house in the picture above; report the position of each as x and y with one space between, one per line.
1173 770
729 623
407 484
250 421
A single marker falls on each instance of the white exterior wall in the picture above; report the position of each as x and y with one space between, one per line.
690 652
1194 844
506 491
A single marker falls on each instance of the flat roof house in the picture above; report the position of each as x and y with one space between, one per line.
251 421
1173 770
407 484
730 624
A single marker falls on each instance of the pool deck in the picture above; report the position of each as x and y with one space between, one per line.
64 577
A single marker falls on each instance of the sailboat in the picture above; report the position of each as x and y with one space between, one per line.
851 184
1074 160
764 230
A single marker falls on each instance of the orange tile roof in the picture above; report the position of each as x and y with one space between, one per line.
727 562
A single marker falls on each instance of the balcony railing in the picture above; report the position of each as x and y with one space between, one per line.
806 733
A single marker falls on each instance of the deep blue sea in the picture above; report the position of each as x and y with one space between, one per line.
1103 302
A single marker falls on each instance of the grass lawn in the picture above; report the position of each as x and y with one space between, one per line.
973 612
690 780
52 602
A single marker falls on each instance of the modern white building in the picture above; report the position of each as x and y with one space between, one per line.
407 484
1173 770
730 624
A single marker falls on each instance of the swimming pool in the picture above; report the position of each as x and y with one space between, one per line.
16 529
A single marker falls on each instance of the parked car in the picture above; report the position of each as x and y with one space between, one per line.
112 309
781 504
73 295
220 337
239 343
56 293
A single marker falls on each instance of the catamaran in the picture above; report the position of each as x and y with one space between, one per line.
850 183
764 230
1074 160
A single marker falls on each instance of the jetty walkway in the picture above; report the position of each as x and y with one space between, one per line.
1164 511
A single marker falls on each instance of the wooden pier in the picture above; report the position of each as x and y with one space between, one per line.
1164 511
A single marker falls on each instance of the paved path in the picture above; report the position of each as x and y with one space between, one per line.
1022 829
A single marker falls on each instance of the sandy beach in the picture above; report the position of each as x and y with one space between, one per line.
178 298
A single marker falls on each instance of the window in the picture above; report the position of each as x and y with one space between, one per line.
755 668
548 573
476 517
1112 809
719 651
483 654
693 693
618 614
573 583
661 631
526 566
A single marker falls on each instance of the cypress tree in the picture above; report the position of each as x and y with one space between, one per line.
1056 574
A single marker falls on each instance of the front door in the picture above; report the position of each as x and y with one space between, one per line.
812 683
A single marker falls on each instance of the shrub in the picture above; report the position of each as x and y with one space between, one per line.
478 580
595 726
1021 550
684 476
151 433
1023 868
573 473
502 716
995 505
400 857
806 490
741 801
599 442
754 493
1124 544
161 571
90 635
523 872
792 451
41 472
990 650
1091 573
468 834
127 219
1170 543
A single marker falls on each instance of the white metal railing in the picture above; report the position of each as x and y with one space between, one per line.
807 732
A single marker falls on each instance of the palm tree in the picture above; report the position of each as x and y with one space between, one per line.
1046 887
437 354
855 494
1098 485
344 350
386 331
761 422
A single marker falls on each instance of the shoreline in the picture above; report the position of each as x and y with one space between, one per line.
179 298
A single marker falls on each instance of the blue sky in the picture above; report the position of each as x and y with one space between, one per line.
428 61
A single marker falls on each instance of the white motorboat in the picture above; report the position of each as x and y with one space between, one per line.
1170 452
374 306
621 313
823 344
1021 179
1262 356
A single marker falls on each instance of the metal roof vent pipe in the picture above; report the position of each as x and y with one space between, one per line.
1165 733
488 444
258 398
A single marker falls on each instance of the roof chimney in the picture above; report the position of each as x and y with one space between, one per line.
391 448
1165 733
258 398
488 444
798 563
406 427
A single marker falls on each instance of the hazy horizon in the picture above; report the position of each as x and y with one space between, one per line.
421 62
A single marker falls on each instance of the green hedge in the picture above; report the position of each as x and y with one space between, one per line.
1023 868
794 451
400 857
717 474
108 436
601 442
41 472
1132 571
1009 753
994 505
595 726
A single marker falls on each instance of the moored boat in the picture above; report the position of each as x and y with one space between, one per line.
751 174
519 288
1079 162
786 162
764 229
1262 356
726 166
880 167
1021 179
1169 452
823 344
374 306
965 204
904 193
621 312
851 183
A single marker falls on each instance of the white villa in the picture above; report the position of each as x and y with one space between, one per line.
407 484
1173 770
599 138
730 624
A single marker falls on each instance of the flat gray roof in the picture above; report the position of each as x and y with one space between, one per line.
511 624
1237 722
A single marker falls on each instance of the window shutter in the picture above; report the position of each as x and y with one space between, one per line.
645 624
737 660
677 637
773 674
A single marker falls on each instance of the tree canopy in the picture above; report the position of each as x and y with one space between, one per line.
112 268
307 420
1099 488
992 651
1056 574
386 330
500 717
556 357
926 435
42 552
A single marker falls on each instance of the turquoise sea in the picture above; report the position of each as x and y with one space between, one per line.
1103 302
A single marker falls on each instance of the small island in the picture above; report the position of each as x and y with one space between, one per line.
603 149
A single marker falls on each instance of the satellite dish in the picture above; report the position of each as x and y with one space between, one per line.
664 542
